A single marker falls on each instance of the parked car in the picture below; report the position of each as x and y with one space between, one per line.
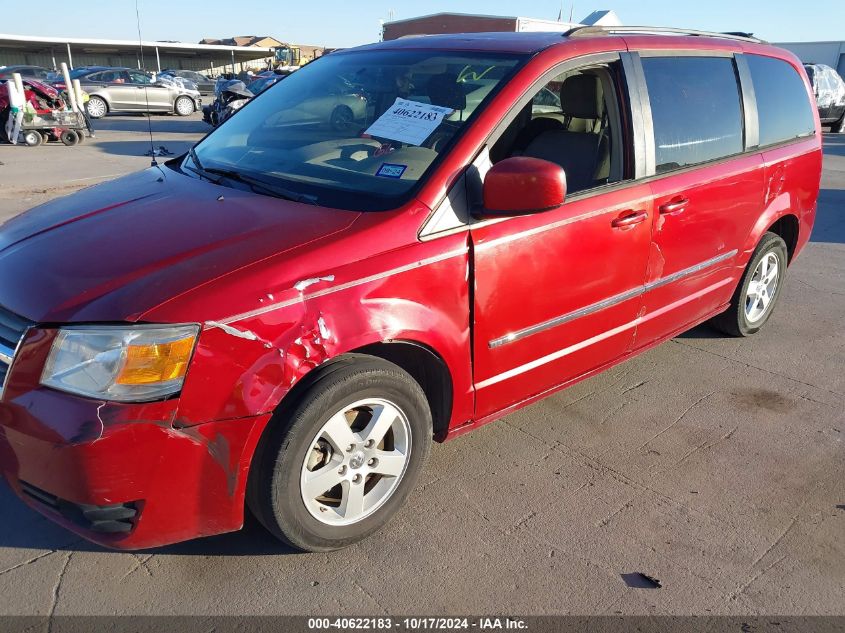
132 90
57 80
829 89
204 84
283 318
262 83
34 72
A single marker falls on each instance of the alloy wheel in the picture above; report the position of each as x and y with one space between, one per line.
184 106
762 287
96 108
355 461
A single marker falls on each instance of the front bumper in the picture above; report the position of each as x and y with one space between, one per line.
125 476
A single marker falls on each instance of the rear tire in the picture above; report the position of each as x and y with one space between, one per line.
362 430
69 137
757 293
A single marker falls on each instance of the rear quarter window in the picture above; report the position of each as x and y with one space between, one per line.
783 107
695 108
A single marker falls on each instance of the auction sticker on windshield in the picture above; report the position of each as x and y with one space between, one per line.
408 121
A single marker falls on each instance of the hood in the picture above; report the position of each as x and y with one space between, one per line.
116 250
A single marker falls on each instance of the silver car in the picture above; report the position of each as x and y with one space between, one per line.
132 90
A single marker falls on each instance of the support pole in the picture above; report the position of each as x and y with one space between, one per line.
69 56
158 60
53 55
69 87
18 81
77 91
233 61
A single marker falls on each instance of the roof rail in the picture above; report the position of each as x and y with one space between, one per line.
582 31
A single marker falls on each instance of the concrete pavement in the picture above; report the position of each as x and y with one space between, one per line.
713 464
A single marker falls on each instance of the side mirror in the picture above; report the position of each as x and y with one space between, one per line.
521 185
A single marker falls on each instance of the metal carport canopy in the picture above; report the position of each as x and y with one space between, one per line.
69 44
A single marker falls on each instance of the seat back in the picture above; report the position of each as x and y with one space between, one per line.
576 152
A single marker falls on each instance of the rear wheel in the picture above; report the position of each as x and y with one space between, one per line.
758 290
97 108
69 137
342 461
184 106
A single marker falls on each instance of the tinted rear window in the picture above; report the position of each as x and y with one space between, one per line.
695 108
783 108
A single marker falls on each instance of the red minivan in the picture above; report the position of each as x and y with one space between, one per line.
398 243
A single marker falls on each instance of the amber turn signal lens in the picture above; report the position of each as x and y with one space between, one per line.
161 362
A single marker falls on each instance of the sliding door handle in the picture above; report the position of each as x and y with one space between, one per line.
674 207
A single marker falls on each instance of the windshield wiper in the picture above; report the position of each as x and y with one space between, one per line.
215 174
257 184
199 170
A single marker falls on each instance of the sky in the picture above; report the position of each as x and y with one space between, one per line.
336 23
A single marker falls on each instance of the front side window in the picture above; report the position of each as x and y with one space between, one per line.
357 130
783 107
696 110
139 78
573 121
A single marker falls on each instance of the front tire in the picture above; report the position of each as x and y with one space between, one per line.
759 289
340 462
184 106
33 138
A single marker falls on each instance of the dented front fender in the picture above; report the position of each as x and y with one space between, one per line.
246 363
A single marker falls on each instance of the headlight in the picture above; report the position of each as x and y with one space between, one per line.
122 364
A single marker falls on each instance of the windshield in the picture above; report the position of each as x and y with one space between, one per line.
368 123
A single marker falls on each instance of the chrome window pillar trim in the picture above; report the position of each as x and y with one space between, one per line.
644 152
749 103
609 302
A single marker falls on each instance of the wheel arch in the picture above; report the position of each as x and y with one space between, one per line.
787 227
428 369
102 96
180 96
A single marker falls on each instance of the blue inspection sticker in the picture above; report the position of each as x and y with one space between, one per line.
387 170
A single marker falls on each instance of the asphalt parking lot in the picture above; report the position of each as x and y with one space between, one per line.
712 464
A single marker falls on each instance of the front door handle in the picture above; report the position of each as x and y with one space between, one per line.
627 219
674 207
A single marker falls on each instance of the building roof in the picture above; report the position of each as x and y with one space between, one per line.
111 46
243 40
